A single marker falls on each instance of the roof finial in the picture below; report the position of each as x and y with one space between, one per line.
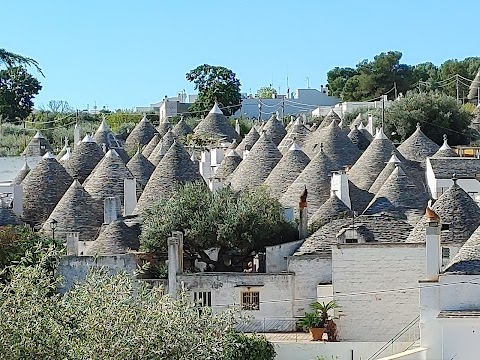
445 138
418 126
454 178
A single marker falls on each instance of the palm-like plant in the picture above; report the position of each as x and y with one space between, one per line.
322 310
10 59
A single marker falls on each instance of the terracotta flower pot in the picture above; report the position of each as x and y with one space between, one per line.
316 333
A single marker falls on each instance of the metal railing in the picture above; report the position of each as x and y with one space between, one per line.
268 325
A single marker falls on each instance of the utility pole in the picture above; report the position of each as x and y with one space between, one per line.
456 85
396 92
283 110
383 110
308 82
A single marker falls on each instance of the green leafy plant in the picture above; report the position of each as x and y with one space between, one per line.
319 316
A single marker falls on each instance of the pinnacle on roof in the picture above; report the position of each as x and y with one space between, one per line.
456 208
297 131
77 211
164 126
140 168
227 166
295 147
286 171
37 146
162 147
215 109
255 168
358 138
67 155
48 155
181 129
116 238
104 135
103 125
88 138
248 142
316 178
175 168
418 147
380 135
21 174
43 188
467 260
141 134
331 209
216 125
445 150
357 122
331 116
83 160
147 150
386 172
275 129
38 135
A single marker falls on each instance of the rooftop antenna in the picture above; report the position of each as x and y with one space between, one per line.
308 82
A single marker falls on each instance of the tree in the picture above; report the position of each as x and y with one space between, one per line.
337 77
10 60
266 92
17 89
215 83
234 222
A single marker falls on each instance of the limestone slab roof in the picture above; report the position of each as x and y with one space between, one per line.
116 238
77 211
164 126
297 132
141 135
228 165
140 168
462 167
331 116
43 188
473 88
286 171
456 208
274 129
104 135
216 125
445 150
336 145
152 144
122 153
86 155
418 147
8 216
181 129
359 198
22 174
331 209
357 121
358 139
38 146
175 168
382 228
107 179
257 165
316 178
383 176
248 141
476 114
162 147
467 260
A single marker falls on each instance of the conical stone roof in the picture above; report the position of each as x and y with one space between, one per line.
140 135
164 126
473 88
85 157
116 238
255 167
38 146
418 147
298 132
336 145
152 144
107 179
456 208
216 125
175 168
400 197
181 129
476 114
372 161
104 135
64 150
22 174
356 123
333 208
386 172
140 168
43 188
274 129
287 170
162 147
316 178
248 141
365 132
233 145
8 216
445 150
227 166
467 260
332 115
358 139
78 212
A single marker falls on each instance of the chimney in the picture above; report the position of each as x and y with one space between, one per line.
72 243
433 249
303 217
76 135
237 126
111 209
172 243
179 236
339 184
129 196
18 200
370 127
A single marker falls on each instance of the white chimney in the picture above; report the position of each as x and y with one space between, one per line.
237 126
129 196
111 209
76 134
433 249
339 184
72 243
370 126
303 217
172 244
18 200
179 236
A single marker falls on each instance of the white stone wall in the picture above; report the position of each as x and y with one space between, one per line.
310 271
376 286
276 256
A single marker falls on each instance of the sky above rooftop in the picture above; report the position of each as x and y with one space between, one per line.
123 53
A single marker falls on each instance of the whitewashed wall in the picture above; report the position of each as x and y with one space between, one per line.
276 256
376 287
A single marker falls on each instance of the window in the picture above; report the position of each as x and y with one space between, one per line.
250 300
351 241
445 256
202 298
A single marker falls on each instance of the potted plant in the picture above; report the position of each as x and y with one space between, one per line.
315 321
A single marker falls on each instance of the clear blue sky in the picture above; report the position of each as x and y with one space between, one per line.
130 53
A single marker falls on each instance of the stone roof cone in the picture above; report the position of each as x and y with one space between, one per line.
255 167
331 209
181 129
227 166
104 135
175 168
162 147
83 160
274 129
248 141
298 132
77 211
66 156
152 144
287 170
400 197
358 138
386 172
418 147
164 126
358 120
216 125
332 115
43 188
456 208
336 145
467 260
116 238
473 88
140 135
445 150
316 178
64 149
22 174
107 179
8 216
38 146
365 132
371 163
141 169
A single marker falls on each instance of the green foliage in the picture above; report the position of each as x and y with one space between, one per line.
252 347
266 92
337 77
242 222
17 89
215 83
319 316
10 60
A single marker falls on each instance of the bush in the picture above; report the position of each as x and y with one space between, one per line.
252 347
